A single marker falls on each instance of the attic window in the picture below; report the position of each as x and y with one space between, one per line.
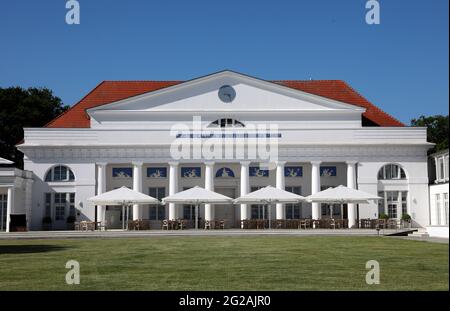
226 122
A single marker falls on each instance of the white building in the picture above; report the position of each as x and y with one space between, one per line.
439 194
321 134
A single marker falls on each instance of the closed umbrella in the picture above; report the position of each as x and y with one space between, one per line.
269 195
196 196
124 197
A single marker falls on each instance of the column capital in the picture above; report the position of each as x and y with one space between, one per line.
210 163
280 163
315 162
245 163
137 163
173 163
101 164
351 162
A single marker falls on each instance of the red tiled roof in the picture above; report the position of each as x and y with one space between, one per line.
111 91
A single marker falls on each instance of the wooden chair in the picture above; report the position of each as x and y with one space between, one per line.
207 225
222 224
182 224
304 223
332 224
165 224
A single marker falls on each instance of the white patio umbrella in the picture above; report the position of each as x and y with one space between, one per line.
341 195
269 195
196 196
124 197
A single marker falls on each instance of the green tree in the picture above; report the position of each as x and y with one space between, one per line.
437 130
19 108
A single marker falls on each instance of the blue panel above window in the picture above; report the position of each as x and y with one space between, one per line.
225 172
327 171
122 172
255 171
191 172
157 172
293 171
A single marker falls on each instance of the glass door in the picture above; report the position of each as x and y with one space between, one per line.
3 204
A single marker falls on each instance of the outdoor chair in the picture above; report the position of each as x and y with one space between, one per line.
102 226
207 224
279 224
182 224
165 224
332 224
76 226
304 223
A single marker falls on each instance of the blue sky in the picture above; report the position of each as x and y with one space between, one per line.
400 65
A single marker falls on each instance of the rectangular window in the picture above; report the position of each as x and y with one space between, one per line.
404 202
446 168
441 169
60 206
438 208
72 204
392 210
446 207
157 212
381 209
258 211
293 211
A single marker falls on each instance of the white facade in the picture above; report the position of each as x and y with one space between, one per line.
439 192
323 137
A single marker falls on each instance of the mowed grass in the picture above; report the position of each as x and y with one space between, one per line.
224 263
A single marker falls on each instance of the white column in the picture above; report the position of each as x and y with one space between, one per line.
209 185
315 187
9 206
245 187
101 188
351 183
28 201
137 186
280 212
173 188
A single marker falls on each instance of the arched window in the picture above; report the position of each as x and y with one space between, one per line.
391 171
224 172
60 173
225 122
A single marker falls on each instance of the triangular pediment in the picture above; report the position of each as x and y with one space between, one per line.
202 95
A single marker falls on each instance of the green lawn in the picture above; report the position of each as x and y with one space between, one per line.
224 263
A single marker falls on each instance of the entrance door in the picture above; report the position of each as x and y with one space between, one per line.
225 211
3 204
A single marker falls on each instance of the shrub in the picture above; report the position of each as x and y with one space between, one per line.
47 220
383 216
406 217
71 219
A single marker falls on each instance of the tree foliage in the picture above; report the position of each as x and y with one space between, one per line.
19 108
437 130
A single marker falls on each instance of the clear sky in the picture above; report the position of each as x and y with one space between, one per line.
401 65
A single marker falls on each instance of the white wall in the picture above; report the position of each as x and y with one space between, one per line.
84 188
